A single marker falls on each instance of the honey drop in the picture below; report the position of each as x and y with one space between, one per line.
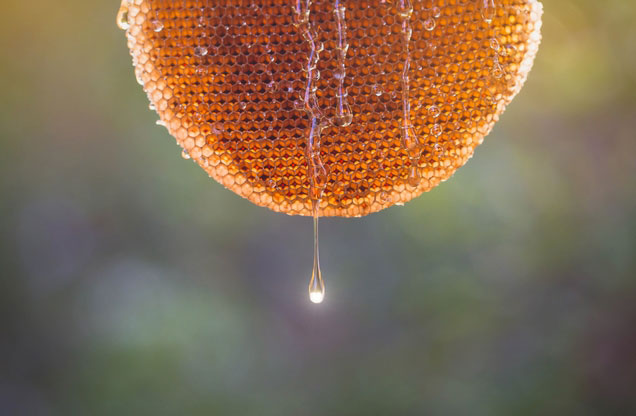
316 283
122 16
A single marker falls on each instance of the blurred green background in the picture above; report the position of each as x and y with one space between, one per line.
130 283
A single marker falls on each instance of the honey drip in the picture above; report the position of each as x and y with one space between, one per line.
316 284
122 16
488 10
409 139
316 169
343 116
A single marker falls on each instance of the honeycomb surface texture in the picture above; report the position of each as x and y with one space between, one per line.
402 91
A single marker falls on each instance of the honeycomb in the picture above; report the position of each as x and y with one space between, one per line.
352 105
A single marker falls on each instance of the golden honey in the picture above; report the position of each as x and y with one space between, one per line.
397 94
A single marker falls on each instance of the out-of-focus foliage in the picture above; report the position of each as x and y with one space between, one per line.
130 283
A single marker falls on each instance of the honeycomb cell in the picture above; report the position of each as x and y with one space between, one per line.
402 91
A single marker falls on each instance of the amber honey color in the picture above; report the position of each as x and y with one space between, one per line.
401 92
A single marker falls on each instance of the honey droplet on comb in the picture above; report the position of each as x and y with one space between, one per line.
122 16
488 10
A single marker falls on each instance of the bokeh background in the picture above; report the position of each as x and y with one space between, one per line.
130 283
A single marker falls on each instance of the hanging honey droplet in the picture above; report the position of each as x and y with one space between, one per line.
316 284
488 10
414 178
122 16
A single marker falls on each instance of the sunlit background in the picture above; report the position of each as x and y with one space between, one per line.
131 283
